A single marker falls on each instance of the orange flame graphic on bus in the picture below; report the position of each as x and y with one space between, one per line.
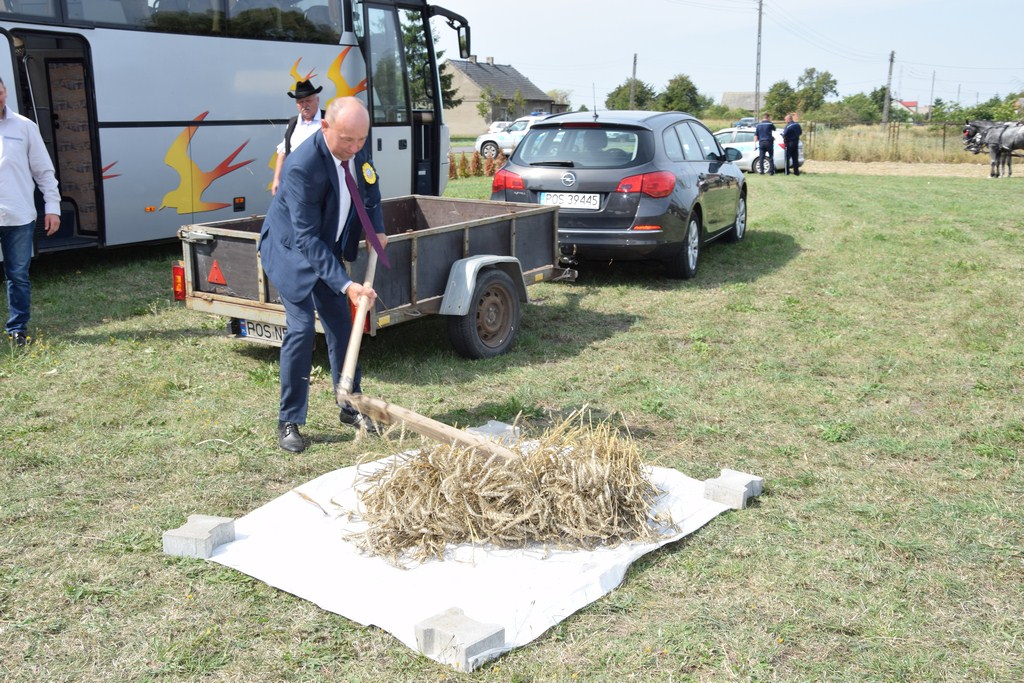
340 82
188 196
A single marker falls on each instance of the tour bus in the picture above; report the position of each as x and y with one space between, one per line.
160 113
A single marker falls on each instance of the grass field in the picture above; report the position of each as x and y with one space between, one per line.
861 350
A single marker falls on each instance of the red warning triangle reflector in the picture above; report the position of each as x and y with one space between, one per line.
216 277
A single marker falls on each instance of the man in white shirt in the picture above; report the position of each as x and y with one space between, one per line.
24 165
299 127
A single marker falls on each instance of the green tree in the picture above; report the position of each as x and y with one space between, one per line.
812 88
561 97
682 95
994 109
417 59
878 97
781 98
492 106
644 96
862 108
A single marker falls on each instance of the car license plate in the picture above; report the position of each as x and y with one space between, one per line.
257 331
572 200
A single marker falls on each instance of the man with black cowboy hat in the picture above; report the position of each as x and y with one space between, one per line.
299 127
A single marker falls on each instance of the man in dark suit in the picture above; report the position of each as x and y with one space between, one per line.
791 136
763 133
312 223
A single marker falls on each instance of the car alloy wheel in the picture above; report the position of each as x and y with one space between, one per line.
489 150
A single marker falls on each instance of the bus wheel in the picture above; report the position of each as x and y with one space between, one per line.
490 326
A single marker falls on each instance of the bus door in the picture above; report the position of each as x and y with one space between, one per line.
391 136
425 97
54 88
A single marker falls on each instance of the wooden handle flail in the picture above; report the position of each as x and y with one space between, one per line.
387 413
348 369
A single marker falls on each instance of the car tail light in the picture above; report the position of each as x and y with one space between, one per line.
657 185
178 280
506 180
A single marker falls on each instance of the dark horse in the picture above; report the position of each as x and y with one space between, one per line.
1000 138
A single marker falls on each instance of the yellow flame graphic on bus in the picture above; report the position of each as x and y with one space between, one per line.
188 196
295 74
341 85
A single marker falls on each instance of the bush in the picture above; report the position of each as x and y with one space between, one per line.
476 168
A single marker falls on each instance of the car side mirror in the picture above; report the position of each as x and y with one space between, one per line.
733 154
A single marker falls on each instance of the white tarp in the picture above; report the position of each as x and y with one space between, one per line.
291 544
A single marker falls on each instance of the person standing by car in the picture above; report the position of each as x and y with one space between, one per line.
24 165
791 137
764 134
299 127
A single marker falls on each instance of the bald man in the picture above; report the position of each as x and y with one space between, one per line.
311 226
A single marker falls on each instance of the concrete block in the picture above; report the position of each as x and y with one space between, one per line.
501 432
733 488
199 536
454 639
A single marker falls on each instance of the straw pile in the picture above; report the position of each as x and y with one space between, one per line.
576 486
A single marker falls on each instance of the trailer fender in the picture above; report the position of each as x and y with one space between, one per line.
458 293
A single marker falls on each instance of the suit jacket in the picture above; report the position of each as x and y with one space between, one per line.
791 134
298 242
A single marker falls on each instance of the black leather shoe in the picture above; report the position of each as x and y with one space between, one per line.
288 437
18 338
352 417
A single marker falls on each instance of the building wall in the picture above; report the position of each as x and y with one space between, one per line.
464 120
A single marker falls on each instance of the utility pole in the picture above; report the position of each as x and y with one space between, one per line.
757 75
931 101
632 85
888 90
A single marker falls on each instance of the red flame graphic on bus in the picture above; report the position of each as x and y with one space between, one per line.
188 196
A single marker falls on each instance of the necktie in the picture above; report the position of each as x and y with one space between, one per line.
368 229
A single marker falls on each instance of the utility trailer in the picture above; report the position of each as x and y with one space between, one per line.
468 260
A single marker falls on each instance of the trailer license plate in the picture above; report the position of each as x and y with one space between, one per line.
255 330
572 200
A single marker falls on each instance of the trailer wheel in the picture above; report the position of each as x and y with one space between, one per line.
489 327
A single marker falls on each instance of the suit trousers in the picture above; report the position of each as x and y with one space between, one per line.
297 348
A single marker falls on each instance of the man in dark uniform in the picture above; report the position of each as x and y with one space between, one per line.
765 143
311 225
791 137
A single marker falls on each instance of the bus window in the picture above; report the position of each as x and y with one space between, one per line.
417 59
385 62
194 17
34 8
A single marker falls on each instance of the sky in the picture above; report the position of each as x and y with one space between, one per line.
962 51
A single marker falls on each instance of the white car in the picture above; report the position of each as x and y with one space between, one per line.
743 140
506 140
498 126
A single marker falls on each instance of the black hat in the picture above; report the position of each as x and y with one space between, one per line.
303 89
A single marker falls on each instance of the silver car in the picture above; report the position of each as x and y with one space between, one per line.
743 140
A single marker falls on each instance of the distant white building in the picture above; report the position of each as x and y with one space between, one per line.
513 95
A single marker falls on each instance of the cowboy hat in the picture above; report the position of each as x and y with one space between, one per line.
303 89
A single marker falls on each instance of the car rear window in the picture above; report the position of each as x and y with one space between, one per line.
584 147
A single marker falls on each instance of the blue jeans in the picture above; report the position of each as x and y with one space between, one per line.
16 242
